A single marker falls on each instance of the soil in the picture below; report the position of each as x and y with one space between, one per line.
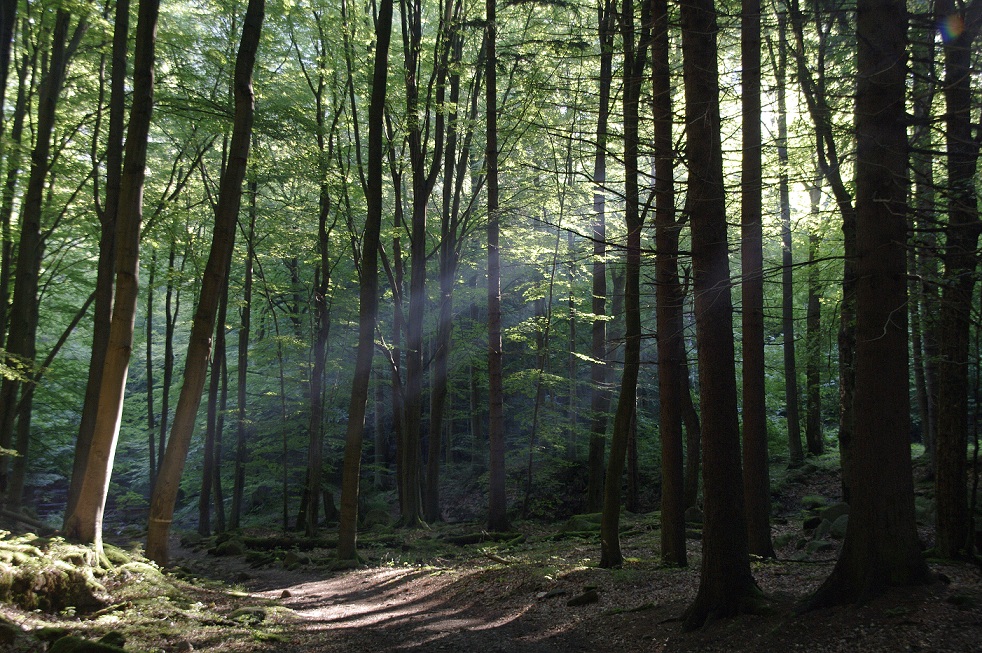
541 592
517 597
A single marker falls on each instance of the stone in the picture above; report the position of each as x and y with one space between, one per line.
838 528
834 511
693 515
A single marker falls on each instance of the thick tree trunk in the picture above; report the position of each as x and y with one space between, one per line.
214 282
725 584
881 546
367 293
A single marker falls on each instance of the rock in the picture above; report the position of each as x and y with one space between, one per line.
250 615
693 515
813 502
820 546
823 529
587 597
293 559
580 523
229 548
376 517
834 511
113 638
838 528
811 523
285 594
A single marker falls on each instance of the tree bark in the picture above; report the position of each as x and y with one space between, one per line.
107 213
881 545
668 291
635 58
497 501
725 585
84 522
214 281
958 282
599 392
367 292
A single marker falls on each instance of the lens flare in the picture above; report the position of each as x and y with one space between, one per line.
952 27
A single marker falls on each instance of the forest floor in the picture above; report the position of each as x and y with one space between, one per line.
538 591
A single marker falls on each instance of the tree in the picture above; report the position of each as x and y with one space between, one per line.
725 584
497 501
367 291
213 285
599 393
671 344
958 283
756 481
84 521
635 44
881 547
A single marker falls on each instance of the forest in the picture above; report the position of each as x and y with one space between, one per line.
284 276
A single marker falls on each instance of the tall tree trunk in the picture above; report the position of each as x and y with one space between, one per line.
668 291
211 469
214 282
922 261
635 57
497 501
725 584
881 547
8 16
242 423
22 335
795 453
756 479
12 151
84 521
107 213
367 292
813 334
599 392
958 281
829 161
151 406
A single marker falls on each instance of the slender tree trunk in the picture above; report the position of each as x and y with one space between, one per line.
497 501
795 452
151 407
881 545
211 469
599 392
635 56
756 479
726 584
242 424
367 292
84 522
958 282
813 335
214 282
20 343
671 346
830 164
12 149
